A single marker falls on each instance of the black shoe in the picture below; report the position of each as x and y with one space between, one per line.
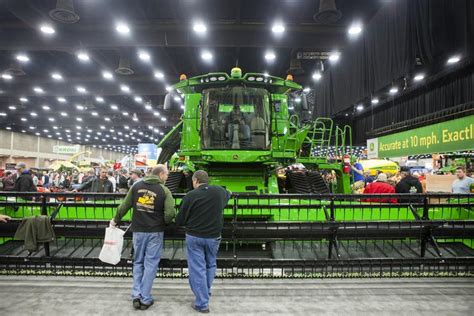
145 306
204 311
136 303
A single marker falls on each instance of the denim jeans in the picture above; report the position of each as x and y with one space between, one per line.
202 253
146 257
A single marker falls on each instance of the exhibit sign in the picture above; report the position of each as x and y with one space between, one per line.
66 149
449 136
150 152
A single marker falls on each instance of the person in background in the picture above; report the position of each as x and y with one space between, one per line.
462 185
9 181
408 184
135 176
34 177
368 178
45 180
99 184
380 186
153 208
24 182
202 214
357 175
110 176
122 183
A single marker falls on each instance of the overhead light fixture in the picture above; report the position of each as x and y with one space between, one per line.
47 29
79 119
46 107
80 107
83 56
177 98
63 114
360 107
148 107
22 58
38 90
355 29
99 99
114 107
24 119
81 89
278 28
419 77
393 90
125 113
159 75
61 99
317 75
12 107
94 113
306 90
107 119
33 114
122 28
107 75
199 27
453 59
138 99
23 99
334 57
51 119
56 76
374 101
270 56
125 88
143 55
206 55
7 76
163 119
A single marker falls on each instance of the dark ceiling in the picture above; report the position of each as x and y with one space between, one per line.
239 33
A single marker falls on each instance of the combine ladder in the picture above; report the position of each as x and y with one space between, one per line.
319 135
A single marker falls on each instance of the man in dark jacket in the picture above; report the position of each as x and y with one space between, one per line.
99 184
122 183
201 213
153 207
408 184
24 181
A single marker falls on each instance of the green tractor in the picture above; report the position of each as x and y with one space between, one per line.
253 133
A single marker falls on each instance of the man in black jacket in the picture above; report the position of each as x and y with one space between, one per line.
99 184
24 181
408 184
201 213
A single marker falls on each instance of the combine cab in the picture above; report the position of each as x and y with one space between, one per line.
243 130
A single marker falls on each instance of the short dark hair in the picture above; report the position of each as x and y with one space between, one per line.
461 168
201 176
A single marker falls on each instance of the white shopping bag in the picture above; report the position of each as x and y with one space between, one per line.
113 244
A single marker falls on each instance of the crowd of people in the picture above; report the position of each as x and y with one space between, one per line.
99 180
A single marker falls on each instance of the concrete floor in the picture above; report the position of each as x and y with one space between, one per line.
110 296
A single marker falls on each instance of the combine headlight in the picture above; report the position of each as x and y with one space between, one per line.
251 79
221 78
259 79
213 78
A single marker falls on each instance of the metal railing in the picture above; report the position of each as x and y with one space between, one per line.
290 235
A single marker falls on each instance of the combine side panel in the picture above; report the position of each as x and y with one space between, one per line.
170 143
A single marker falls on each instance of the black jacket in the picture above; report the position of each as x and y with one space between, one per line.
202 211
92 185
408 185
24 183
122 182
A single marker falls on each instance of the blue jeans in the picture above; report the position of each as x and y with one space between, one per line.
146 257
202 253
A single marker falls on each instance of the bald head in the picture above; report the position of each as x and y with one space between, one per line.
161 171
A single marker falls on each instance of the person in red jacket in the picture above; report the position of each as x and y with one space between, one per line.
380 186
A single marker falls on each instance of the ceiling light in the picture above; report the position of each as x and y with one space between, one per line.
199 27
393 90
56 76
94 113
317 76
177 98
63 114
138 99
159 75
114 107
306 90
419 77
107 75
334 57
169 88
107 119
99 99
101 127
125 88
33 114
144 55
32 127
454 59
375 101
22 99
46 107
156 113
206 55
51 119
55 127
360 107
79 107
126 127
7 76
79 119
148 107
61 99
125 113
270 56
3 114
78 127
38 90
163 119
81 89
122 28
83 56
24 119
135 118
22 58
278 28
355 29
47 29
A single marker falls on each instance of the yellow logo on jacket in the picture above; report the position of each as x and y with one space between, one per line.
146 201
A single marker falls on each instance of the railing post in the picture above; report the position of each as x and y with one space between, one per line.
425 208
44 211
234 228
